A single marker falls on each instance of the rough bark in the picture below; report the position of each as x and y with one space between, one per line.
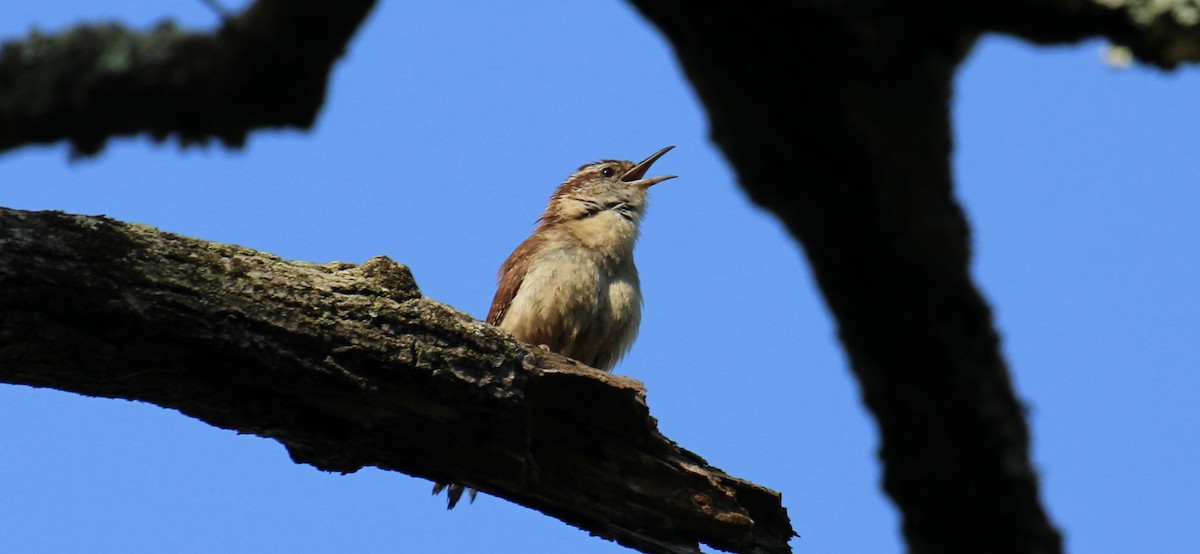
266 68
349 366
836 117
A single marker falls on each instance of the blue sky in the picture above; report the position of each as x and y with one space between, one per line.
447 127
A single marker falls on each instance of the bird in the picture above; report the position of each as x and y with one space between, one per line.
572 287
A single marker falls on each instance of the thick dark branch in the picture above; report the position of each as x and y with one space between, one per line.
349 366
1164 33
836 117
267 68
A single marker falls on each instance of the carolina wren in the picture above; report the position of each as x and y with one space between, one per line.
572 287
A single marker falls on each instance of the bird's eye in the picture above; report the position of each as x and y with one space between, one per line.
607 172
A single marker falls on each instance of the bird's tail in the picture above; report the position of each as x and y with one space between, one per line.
454 492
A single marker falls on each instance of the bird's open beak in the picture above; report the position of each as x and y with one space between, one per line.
634 176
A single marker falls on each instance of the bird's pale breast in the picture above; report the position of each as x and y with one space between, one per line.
579 306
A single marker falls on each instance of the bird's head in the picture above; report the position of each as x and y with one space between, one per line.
607 186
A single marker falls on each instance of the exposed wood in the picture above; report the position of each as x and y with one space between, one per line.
350 366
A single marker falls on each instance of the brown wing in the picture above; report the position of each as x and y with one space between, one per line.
512 273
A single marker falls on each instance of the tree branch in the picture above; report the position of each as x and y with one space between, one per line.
267 68
836 117
1164 33
349 366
